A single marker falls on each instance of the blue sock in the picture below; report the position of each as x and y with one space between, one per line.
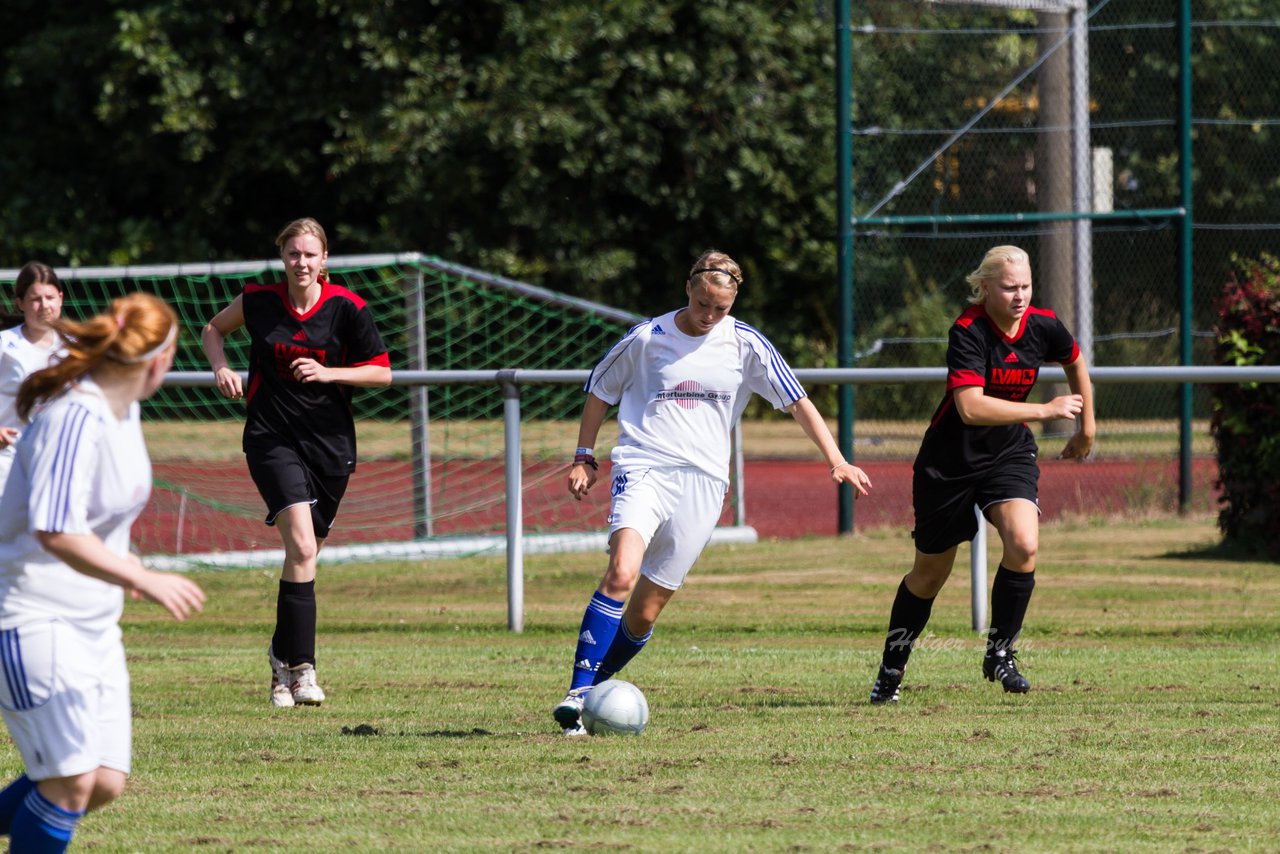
11 798
599 625
40 827
625 646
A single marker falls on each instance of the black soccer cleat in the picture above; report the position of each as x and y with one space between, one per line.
1002 664
885 690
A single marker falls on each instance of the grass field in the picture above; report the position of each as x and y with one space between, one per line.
1152 723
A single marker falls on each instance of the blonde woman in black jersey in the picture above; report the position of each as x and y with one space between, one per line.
979 450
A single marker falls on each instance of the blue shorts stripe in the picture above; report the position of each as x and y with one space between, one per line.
15 674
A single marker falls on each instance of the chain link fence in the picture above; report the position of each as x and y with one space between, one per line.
983 123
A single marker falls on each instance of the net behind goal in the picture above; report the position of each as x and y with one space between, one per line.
430 459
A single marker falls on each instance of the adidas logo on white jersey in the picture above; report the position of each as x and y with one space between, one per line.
658 330
586 637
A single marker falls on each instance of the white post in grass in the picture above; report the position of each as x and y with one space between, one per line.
515 508
978 574
739 477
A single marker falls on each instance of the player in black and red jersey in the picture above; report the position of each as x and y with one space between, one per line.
312 342
979 450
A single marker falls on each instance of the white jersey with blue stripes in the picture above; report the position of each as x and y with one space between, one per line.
679 395
79 470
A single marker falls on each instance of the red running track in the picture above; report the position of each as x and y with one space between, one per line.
784 499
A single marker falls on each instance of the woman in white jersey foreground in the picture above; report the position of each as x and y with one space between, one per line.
80 478
680 382
26 347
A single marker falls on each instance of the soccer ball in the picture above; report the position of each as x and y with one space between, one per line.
615 707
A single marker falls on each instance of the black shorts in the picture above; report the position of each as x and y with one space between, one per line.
944 506
284 479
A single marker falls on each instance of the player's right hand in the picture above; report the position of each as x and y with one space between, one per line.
581 478
1067 406
8 436
229 384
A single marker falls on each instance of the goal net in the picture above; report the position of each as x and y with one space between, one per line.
430 458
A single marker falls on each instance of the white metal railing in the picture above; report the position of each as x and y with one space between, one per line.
511 380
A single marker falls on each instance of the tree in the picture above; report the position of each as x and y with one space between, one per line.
594 148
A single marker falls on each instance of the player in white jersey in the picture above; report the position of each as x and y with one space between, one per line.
680 381
80 478
26 348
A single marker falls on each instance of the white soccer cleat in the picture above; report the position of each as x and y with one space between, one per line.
303 687
568 712
281 696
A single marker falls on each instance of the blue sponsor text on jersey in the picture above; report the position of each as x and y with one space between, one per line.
693 394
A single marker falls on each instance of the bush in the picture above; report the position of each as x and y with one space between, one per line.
1246 416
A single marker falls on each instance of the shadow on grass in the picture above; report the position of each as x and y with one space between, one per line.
1242 551
366 730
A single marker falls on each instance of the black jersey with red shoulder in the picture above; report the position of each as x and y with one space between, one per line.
979 354
315 418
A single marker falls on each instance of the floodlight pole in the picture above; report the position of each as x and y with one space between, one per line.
1184 248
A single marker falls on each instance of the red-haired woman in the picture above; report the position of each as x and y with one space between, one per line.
80 479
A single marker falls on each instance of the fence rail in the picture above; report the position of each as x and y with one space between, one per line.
511 380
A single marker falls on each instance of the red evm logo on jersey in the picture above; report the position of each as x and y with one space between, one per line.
286 354
1014 382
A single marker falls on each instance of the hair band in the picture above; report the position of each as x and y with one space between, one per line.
150 354
736 280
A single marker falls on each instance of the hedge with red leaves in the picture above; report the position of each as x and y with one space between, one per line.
1246 416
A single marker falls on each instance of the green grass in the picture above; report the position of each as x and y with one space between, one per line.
1151 725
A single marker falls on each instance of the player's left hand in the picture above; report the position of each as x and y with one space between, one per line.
1078 448
849 473
177 594
581 479
309 371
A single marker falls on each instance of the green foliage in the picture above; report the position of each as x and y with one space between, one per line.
1246 416
925 315
595 148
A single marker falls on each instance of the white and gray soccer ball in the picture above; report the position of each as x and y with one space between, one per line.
615 707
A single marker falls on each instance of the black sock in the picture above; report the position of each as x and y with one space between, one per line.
1010 595
294 642
906 621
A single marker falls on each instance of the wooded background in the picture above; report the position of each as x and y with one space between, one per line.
590 147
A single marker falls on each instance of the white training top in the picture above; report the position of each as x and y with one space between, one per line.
679 395
18 359
78 471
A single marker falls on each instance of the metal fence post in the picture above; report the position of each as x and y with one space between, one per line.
515 508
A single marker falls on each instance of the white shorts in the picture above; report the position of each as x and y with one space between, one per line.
675 511
65 699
